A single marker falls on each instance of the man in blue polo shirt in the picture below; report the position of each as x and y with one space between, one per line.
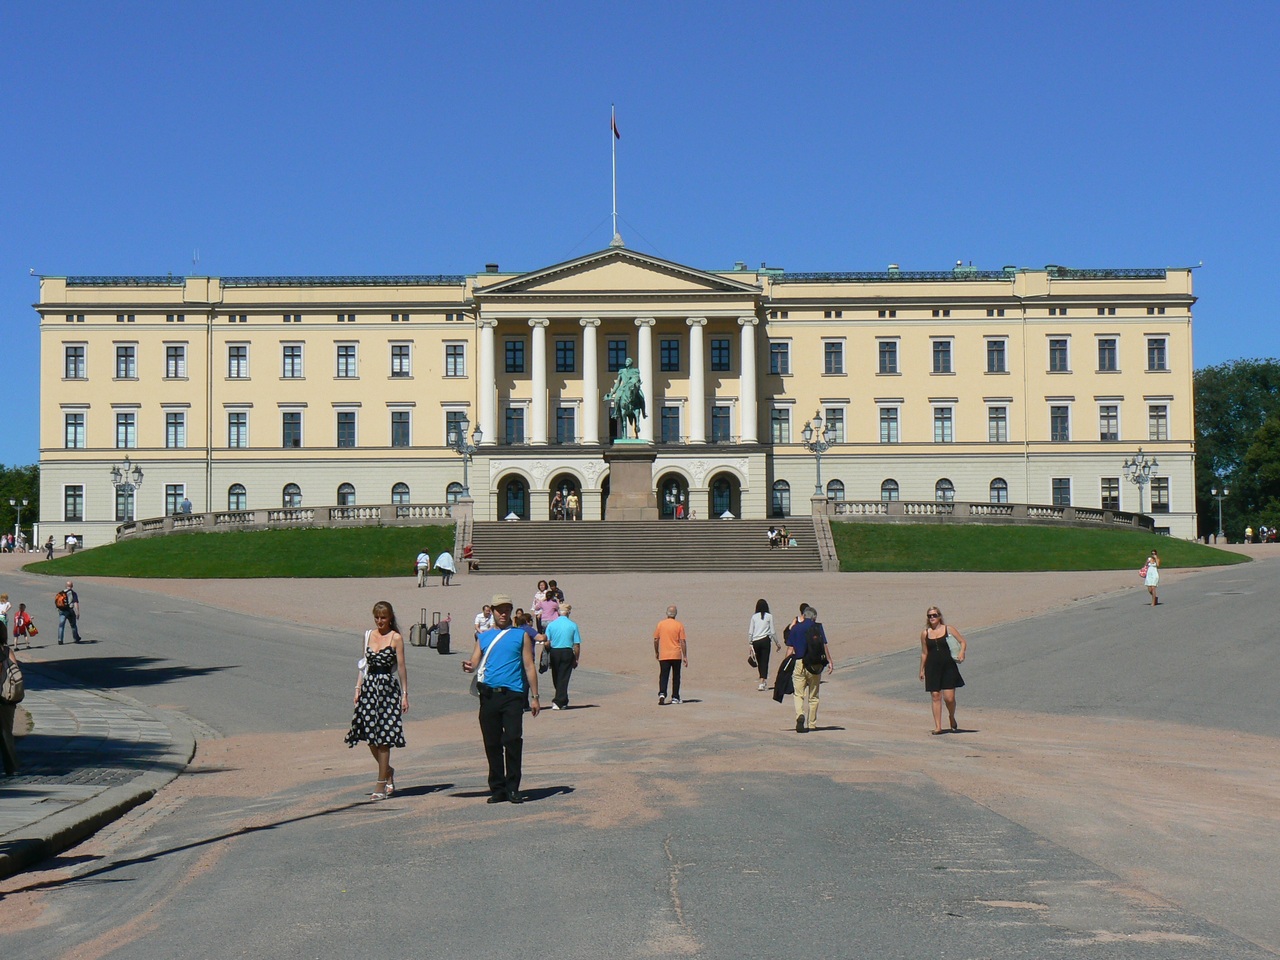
566 647
807 642
508 670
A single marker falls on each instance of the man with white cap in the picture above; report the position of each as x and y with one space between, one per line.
504 657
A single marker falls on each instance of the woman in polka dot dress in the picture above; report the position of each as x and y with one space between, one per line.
382 696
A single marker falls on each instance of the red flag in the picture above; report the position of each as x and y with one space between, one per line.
613 122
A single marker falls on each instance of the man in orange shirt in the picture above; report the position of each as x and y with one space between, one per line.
671 651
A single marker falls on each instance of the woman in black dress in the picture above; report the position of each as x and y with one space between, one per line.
382 696
938 667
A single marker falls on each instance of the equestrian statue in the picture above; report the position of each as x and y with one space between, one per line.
627 396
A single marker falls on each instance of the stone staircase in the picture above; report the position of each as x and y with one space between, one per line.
644 546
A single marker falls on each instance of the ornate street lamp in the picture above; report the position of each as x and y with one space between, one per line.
1139 470
466 450
19 504
1212 493
127 478
816 442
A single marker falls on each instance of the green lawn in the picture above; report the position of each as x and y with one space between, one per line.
355 552
909 547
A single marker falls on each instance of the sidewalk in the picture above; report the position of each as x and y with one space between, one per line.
88 757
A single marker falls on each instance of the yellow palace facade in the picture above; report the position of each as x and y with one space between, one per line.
254 393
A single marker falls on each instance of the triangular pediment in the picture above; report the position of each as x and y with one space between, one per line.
616 272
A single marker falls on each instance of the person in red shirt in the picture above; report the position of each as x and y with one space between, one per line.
671 650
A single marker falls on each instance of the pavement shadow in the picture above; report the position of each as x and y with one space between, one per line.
47 757
424 789
117 672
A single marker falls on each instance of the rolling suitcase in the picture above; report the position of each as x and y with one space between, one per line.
418 632
439 633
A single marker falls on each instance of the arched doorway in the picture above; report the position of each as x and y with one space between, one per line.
673 496
780 502
566 485
513 497
726 494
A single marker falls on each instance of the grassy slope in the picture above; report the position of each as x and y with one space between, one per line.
908 547
356 552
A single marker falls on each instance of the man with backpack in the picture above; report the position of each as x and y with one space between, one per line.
807 642
68 603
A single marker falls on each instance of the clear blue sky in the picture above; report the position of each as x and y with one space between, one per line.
325 138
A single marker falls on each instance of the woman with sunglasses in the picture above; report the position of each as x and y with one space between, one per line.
938 667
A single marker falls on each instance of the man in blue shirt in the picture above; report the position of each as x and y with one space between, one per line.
504 656
566 647
806 675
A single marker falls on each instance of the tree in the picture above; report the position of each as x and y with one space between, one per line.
18 484
1234 401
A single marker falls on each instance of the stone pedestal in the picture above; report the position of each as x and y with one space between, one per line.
631 494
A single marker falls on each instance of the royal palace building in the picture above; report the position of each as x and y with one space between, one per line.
1015 385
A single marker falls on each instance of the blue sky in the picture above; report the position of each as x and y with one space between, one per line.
325 138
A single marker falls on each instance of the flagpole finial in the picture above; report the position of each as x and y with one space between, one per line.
617 240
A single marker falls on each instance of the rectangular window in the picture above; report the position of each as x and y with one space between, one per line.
1108 422
237 428
780 425
1059 362
1157 421
1061 491
175 429
126 431
780 357
400 360
292 318
346 357
75 318
566 423
175 361
515 356
125 318
721 428
73 431
291 423
888 356
833 356
346 428
346 318
1107 362
1159 494
669 356
617 355
888 424
236 318
174 494
720 355
670 424
126 361
74 366
1157 353
455 359
292 361
942 425
73 502
175 318
1110 493
1059 423
566 356
835 424
238 361
514 423
399 428
996 356
942 356
400 318
998 424
453 420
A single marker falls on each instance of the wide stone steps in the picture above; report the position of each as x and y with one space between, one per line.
647 546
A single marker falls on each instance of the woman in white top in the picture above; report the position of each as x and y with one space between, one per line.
760 634
1152 579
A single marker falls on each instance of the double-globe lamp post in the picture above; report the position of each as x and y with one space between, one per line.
466 450
18 505
816 442
1138 470
1213 492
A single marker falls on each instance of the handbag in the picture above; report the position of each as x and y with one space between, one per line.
1142 571
751 659
477 677
31 630
544 659
954 646
12 688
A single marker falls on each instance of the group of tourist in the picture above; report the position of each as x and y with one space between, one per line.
566 507
780 538
11 544
444 566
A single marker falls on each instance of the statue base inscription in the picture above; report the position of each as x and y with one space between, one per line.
631 495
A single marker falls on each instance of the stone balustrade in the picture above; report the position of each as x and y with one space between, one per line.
277 518
965 511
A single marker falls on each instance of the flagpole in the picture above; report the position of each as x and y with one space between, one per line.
613 147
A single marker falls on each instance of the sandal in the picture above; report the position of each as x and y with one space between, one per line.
380 794
391 781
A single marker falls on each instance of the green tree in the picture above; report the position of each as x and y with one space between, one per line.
1233 402
18 484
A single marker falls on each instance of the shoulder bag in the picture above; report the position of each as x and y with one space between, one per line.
478 676
12 688
954 646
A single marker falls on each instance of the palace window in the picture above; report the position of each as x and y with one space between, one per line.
944 491
721 427
515 356
175 429
998 424
126 361
670 424
291 428
1157 354
1108 422
175 361
780 425
566 356
346 428
126 430
455 359
399 428
942 356
835 424
400 360
1107 360
74 365
996 356
73 502
347 361
999 490
617 355
237 498
73 431
780 357
1159 494
238 361
237 428
1158 421
1110 493
721 357
1059 362
291 361
889 490
566 425
1059 423
888 424
833 356
291 496
669 356
942 425
1061 491
888 356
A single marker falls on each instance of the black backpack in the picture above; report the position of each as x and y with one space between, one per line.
815 649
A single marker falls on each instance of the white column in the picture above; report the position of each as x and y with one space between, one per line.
645 362
538 357
747 391
487 383
590 381
697 381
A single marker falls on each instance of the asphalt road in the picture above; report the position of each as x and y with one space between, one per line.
671 834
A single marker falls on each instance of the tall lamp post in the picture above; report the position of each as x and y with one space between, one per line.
816 442
19 504
1212 493
127 477
1139 470
466 450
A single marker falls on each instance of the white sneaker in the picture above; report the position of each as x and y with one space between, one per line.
662 698
761 687
555 706
676 700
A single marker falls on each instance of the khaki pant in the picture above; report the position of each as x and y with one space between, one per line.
806 684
